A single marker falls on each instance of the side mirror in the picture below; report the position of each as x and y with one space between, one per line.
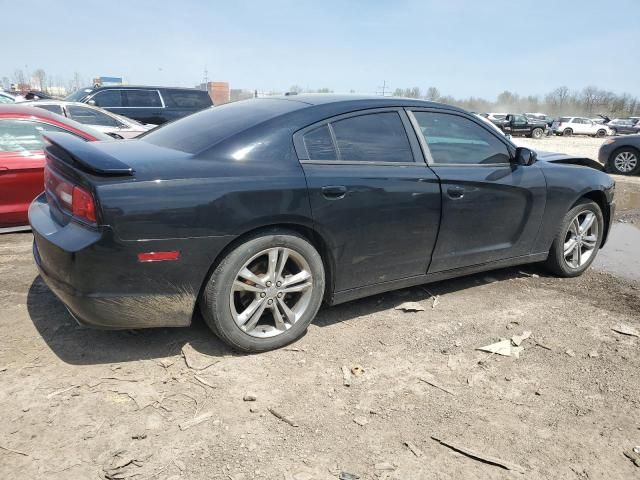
91 102
525 156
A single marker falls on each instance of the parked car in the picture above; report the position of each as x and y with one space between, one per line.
568 126
621 155
22 157
153 105
541 117
496 118
104 121
624 126
522 125
255 211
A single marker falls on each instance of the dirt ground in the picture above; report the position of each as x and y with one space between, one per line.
86 404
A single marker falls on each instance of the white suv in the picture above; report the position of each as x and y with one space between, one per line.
579 126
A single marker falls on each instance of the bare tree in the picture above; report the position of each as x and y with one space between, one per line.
295 89
433 94
40 78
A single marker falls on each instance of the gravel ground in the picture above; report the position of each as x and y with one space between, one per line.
87 404
576 145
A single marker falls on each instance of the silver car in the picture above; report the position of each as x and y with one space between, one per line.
102 120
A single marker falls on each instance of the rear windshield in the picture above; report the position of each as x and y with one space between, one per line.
202 130
186 98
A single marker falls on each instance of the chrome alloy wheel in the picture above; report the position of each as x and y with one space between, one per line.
581 239
625 162
271 292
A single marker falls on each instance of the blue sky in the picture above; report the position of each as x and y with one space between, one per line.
463 47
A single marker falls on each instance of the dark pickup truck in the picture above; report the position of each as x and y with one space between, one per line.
523 125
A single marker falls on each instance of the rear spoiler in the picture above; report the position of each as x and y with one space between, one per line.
85 155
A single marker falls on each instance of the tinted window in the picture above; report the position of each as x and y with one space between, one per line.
5 99
319 144
564 119
52 108
89 116
143 98
458 140
187 99
378 137
519 119
78 95
24 135
108 98
204 129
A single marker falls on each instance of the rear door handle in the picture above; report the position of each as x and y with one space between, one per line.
334 192
455 192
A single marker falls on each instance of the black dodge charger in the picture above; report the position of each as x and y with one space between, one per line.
257 211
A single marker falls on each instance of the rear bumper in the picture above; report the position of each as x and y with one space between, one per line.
100 281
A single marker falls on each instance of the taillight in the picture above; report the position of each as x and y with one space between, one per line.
82 205
70 197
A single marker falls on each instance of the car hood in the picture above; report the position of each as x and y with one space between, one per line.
553 157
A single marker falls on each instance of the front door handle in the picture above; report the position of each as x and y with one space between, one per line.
334 192
455 192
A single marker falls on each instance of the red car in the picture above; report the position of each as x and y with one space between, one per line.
22 157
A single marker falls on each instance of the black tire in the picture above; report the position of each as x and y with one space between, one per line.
611 165
215 302
537 133
567 132
614 132
601 133
556 261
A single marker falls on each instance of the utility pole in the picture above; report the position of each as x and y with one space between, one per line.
206 77
383 88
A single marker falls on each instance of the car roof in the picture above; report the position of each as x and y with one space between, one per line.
358 101
148 87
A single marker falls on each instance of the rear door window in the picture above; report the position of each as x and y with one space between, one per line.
375 137
193 99
108 98
143 98
319 144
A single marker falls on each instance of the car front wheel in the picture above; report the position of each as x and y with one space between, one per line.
624 161
265 292
578 239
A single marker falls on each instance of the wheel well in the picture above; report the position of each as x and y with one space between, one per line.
312 236
600 198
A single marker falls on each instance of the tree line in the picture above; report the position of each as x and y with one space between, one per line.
589 101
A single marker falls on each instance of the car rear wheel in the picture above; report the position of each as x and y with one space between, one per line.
624 161
578 239
537 133
567 132
264 293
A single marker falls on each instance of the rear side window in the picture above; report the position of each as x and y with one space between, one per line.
108 98
319 144
24 135
193 99
51 108
142 98
376 137
454 140
564 119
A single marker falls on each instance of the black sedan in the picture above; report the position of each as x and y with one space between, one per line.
621 155
255 212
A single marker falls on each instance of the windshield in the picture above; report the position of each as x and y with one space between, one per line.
78 95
